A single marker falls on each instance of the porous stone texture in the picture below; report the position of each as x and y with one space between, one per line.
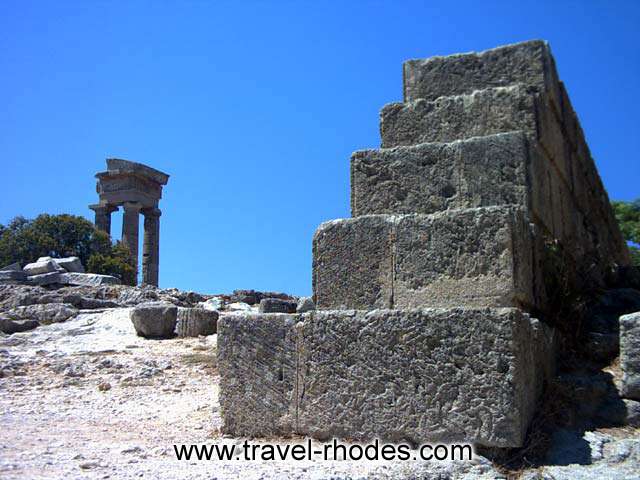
155 319
277 305
433 177
400 375
352 263
257 363
305 304
527 62
193 322
473 257
630 355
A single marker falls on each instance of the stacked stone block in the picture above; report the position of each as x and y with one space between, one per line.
424 330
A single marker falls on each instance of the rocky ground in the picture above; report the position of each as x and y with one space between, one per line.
87 398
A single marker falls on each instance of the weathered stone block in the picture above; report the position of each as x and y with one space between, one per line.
70 264
446 375
277 305
154 319
432 177
630 355
353 263
530 63
257 360
193 322
51 278
39 268
88 279
484 112
473 257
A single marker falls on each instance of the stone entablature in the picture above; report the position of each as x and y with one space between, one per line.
136 188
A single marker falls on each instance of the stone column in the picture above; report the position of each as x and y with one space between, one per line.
130 226
151 246
103 216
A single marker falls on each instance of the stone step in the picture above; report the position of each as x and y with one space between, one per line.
429 375
472 257
530 63
432 177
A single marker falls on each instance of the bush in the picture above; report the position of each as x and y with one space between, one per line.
116 263
24 240
628 216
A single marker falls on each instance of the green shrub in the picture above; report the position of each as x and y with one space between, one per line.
24 240
628 216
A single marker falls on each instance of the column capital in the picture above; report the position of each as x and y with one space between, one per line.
153 212
103 208
132 206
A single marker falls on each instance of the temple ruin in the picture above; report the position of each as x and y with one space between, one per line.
137 189
435 301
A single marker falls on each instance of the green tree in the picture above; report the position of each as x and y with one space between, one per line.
24 240
628 216
116 263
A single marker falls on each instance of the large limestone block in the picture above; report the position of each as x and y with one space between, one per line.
257 363
530 63
430 375
630 355
432 177
473 257
70 264
484 112
41 267
353 263
193 322
421 376
154 319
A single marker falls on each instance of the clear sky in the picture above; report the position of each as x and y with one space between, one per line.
254 108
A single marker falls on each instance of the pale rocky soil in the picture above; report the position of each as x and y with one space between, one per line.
59 418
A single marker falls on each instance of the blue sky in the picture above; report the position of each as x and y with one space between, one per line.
255 107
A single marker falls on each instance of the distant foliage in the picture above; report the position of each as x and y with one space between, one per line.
628 216
116 263
24 240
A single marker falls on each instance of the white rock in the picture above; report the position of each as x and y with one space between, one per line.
70 264
88 279
239 307
213 304
38 268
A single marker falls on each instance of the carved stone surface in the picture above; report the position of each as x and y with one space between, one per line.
530 63
448 375
432 177
193 322
474 257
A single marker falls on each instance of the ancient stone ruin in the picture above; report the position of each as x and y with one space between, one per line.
138 189
435 301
